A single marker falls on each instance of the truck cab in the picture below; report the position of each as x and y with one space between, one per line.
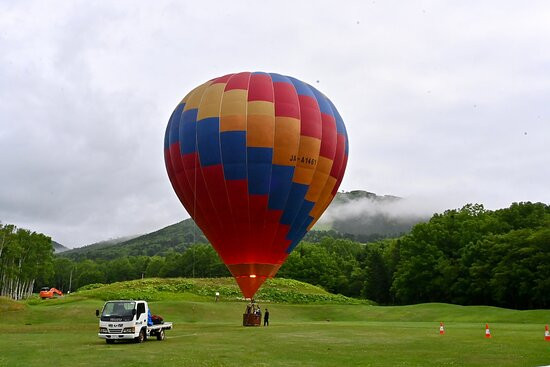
128 320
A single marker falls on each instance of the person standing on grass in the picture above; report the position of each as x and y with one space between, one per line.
266 318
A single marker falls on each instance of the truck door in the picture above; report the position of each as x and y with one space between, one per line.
141 315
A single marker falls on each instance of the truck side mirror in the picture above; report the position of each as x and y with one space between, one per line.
96 313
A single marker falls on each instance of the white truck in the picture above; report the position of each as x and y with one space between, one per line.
128 320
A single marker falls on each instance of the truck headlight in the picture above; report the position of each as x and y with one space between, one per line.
128 330
103 330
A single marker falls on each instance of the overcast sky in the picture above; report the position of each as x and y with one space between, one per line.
446 102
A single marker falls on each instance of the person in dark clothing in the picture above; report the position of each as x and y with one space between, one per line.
266 318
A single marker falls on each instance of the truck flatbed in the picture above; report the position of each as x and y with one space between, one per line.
164 326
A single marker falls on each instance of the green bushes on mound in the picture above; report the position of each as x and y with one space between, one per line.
91 286
156 289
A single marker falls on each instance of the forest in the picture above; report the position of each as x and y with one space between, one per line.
468 256
25 257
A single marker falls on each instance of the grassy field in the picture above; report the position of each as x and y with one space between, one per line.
62 332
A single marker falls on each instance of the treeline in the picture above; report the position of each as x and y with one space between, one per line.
25 258
318 236
199 261
470 256
467 256
476 256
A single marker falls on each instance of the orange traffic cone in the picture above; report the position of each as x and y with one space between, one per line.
441 328
546 333
487 331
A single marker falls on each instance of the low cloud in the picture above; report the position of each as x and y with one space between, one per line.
379 214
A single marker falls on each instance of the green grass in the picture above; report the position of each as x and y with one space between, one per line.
62 332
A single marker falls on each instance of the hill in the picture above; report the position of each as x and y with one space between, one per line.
176 237
203 289
351 215
369 217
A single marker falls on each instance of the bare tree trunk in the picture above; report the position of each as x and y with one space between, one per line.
16 289
18 284
70 280
22 289
29 290
25 290
4 285
10 288
2 244
5 288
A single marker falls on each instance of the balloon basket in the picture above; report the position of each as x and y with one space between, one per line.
251 319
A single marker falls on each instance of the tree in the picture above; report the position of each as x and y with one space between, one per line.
154 267
88 272
377 279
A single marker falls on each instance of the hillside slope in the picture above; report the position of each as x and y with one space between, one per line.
350 215
368 216
175 237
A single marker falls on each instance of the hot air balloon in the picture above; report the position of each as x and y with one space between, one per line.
255 159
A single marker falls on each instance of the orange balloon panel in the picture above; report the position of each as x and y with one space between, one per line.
255 158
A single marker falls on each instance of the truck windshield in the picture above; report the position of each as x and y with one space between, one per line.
115 310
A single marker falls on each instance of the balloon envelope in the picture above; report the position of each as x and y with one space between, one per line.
255 158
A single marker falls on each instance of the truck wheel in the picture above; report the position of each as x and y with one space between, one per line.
109 341
141 337
160 335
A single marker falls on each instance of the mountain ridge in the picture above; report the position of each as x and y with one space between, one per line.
359 225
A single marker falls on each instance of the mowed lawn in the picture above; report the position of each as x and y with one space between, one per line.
63 332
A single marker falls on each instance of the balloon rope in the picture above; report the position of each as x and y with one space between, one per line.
195 204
